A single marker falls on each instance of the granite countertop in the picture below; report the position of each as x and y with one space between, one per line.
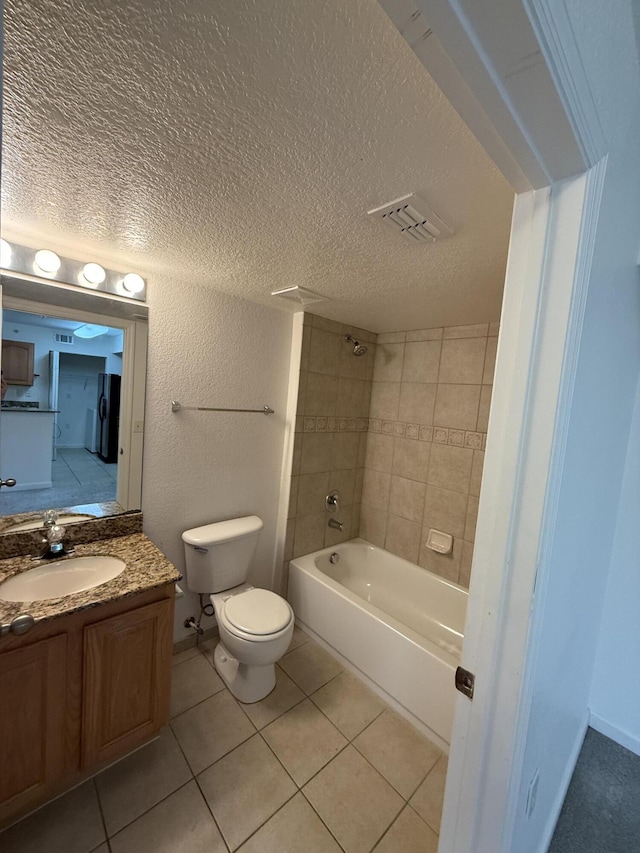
146 568
98 510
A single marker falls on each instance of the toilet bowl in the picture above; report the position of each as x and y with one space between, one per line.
256 625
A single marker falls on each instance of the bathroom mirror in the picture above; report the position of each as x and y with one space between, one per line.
97 387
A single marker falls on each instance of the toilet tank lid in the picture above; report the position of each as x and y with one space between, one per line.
223 531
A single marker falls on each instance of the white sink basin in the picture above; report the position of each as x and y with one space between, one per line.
38 522
61 577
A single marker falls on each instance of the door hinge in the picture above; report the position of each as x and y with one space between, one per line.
465 682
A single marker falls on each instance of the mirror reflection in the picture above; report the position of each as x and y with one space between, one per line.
60 415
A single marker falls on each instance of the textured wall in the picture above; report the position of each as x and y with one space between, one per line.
331 433
425 448
207 348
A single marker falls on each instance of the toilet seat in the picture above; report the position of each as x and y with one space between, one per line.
256 615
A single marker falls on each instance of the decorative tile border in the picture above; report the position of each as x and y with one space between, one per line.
439 435
326 424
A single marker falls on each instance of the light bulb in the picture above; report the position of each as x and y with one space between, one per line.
90 330
5 253
47 262
133 282
93 274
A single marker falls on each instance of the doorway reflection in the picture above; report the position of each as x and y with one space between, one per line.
59 423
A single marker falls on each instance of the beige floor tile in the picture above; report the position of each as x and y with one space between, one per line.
408 834
298 639
398 751
310 666
71 823
244 789
348 703
427 800
181 822
142 779
104 848
187 654
208 648
353 800
296 828
192 682
284 696
304 740
211 729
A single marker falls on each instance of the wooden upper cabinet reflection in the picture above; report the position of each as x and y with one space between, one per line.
17 362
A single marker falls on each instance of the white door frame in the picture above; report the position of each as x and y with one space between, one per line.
513 72
547 277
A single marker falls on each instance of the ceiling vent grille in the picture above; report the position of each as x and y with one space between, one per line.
62 338
413 218
299 294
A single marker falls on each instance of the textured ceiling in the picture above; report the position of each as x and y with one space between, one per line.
240 143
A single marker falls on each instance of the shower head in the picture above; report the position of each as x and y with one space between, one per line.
358 348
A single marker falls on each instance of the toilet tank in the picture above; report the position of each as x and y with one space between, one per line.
218 555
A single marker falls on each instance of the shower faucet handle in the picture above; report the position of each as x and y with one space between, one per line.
332 501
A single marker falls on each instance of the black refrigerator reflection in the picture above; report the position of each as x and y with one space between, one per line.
108 415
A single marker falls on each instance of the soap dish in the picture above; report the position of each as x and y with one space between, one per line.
441 543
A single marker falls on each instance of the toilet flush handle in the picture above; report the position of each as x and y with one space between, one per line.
200 549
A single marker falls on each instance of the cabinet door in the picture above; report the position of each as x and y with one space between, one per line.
127 679
17 362
33 688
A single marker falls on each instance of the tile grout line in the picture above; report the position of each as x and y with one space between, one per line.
104 823
194 778
146 811
210 810
300 789
424 820
271 750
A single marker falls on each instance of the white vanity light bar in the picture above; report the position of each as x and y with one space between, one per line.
44 263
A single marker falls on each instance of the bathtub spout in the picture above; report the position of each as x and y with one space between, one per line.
337 525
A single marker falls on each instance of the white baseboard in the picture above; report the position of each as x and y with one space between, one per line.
554 813
25 487
626 739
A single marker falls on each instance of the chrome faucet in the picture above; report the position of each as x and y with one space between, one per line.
54 545
337 525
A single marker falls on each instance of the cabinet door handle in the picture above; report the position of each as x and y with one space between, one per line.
19 624
10 483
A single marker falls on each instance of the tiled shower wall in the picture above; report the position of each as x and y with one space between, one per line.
331 435
429 411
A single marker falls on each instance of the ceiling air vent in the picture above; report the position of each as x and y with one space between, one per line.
62 338
413 218
299 294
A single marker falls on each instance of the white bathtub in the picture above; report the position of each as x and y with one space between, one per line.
398 625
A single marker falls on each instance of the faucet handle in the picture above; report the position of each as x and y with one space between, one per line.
55 533
332 501
50 516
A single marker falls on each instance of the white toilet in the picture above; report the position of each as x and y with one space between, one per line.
255 625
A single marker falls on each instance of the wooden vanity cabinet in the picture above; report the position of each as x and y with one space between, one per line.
32 720
126 681
80 691
17 362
